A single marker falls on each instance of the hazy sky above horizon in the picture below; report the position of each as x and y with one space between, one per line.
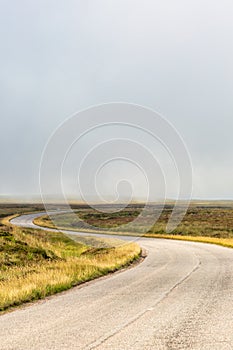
58 57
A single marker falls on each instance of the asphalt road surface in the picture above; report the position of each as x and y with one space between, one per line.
179 297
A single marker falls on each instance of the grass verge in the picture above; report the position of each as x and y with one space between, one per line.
37 263
225 242
212 225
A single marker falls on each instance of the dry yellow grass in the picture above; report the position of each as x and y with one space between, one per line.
36 263
21 284
225 242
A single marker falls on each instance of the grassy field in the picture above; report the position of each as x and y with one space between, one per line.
203 222
37 263
11 209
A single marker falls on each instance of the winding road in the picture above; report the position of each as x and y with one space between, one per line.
179 297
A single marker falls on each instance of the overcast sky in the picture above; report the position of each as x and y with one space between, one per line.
58 57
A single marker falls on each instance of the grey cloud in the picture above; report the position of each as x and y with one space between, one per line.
58 57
